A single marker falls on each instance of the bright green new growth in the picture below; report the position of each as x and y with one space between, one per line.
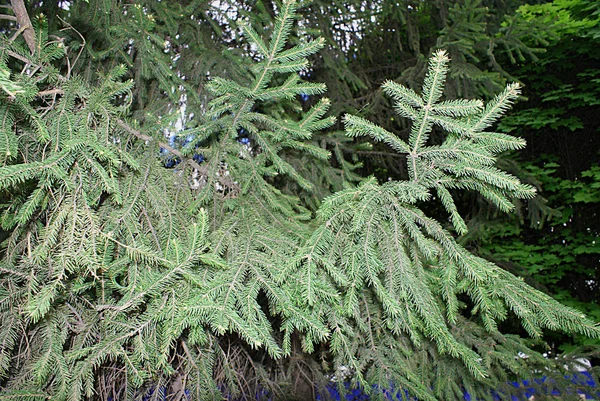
394 275
111 278
466 158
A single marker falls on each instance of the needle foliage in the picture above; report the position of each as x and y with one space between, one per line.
161 239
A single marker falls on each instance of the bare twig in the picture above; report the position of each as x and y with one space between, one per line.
17 33
8 17
51 92
19 57
377 153
69 26
20 11
137 134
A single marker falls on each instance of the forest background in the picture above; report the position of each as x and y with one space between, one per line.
149 65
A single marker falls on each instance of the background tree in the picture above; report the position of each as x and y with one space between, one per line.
559 122
167 221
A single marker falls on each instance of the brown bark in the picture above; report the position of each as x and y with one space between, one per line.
20 11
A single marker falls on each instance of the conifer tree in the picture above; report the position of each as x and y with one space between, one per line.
121 278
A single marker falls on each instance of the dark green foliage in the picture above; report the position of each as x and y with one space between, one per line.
553 241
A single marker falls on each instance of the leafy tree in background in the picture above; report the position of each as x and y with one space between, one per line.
559 121
232 273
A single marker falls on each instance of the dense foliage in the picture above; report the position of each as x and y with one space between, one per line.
554 241
180 212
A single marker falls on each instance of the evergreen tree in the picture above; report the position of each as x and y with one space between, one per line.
123 277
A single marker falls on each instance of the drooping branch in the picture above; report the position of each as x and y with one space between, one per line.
22 16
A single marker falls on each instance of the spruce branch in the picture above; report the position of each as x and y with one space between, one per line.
467 156
375 250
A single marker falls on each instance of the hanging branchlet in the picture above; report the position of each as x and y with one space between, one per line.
393 276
